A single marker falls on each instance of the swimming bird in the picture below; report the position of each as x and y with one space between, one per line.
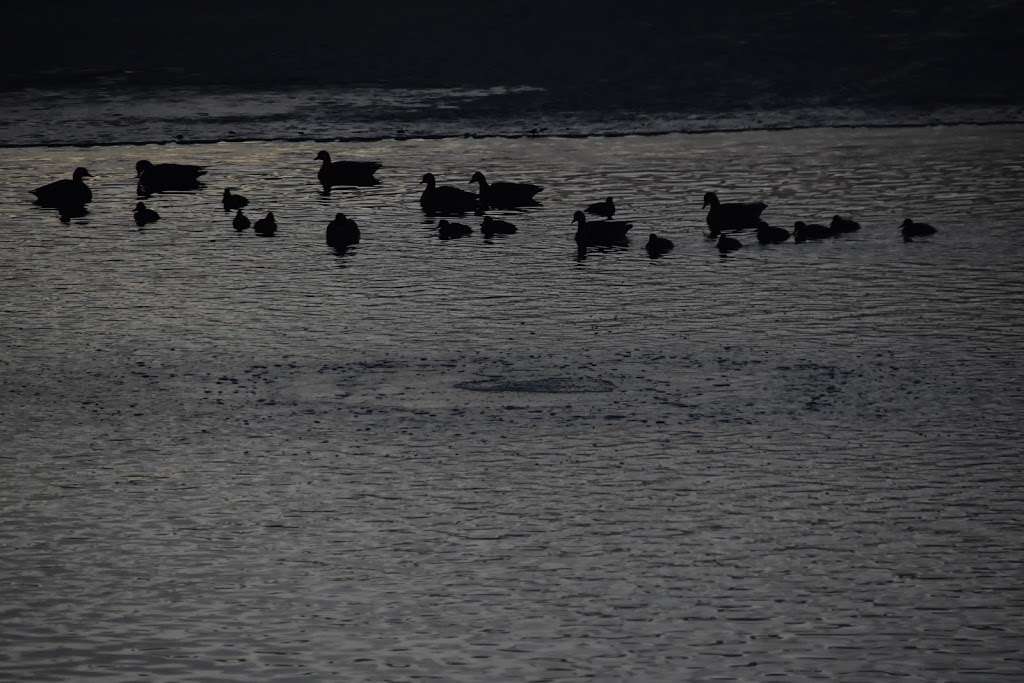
911 229
811 231
342 231
600 232
726 244
144 216
164 177
505 195
65 193
658 245
266 226
241 221
769 234
445 200
840 224
492 226
345 172
731 216
605 209
233 201
447 230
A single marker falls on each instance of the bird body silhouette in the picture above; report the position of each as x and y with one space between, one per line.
266 226
599 232
233 201
241 221
144 216
605 209
911 229
167 177
342 231
734 216
505 195
64 193
769 234
840 224
446 230
345 172
726 244
811 231
658 245
493 226
445 200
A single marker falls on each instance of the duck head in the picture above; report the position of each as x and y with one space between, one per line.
710 199
478 177
339 217
799 225
140 207
429 179
906 223
323 155
579 217
80 173
142 166
270 216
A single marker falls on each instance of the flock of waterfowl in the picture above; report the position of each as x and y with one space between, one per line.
71 196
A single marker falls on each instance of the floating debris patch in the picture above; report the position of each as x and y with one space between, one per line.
541 385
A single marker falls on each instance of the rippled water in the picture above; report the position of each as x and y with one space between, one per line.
239 458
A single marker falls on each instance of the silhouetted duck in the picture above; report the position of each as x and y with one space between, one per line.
241 221
727 244
840 224
769 234
164 177
266 226
504 195
493 226
601 232
658 245
732 216
445 200
233 201
447 230
342 231
911 229
144 216
65 193
605 209
345 172
811 231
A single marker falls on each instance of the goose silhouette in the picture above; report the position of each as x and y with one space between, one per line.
505 195
445 200
233 201
605 209
447 230
64 193
144 216
600 232
493 226
735 216
266 226
167 177
342 231
241 221
345 172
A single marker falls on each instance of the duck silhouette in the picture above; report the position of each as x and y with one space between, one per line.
65 193
735 216
911 229
769 234
445 200
840 224
342 232
726 244
658 245
605 209
241 221
811 231
505 195
600 232
447 230
167 177
266 226
144 216
233 201
345 172
493 226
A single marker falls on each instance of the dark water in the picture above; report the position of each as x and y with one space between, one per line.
236 458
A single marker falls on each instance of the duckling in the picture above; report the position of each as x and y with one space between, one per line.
241 221
769 234
233 201
447 230
342 231
912 229
658 245
726 244
605 209
810 231
493 226
144 216
266 226
840 224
